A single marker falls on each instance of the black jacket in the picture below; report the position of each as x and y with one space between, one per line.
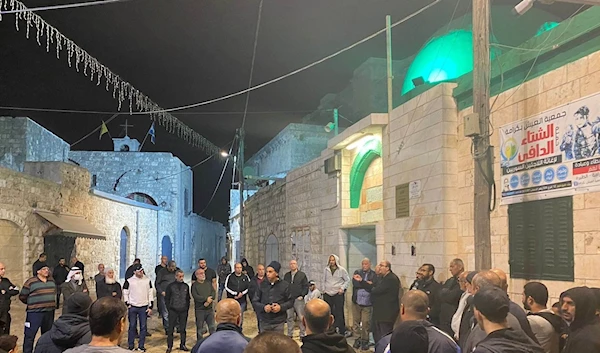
177 296
356 285
254 284
385 297
9 291
465 324
508 341
584 335
449 298
60 274
164 278
220 328
235 285
247 269
129 272
107 290
328 342
267 293
67 332
299 286
433 289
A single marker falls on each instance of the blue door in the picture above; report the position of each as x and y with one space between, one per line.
167 247
123 253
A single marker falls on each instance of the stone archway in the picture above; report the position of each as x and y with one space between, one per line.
14 239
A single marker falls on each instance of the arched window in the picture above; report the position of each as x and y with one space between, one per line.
143 198
271 249
123 252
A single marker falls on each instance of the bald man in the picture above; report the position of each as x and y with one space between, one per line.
320 337
228 338
7 290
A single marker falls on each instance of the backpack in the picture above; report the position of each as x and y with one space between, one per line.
559 325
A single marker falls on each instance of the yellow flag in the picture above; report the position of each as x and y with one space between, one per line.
103 130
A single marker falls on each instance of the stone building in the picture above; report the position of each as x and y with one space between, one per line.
400 186
112 212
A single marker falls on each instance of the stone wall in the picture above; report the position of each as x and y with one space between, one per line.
207 241
565 84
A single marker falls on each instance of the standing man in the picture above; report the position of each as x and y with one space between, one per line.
210 274
161 265
109 287
229 337
386 305
450 296
165 277
362 305
60 276
204 295
335 283
39 293
255 283
130 269
298 289
313 292
7 290
74 284
546 326
177 300
137 294
41 260
426 282
223 270
272 300
236 285
578 309
76 263
100 275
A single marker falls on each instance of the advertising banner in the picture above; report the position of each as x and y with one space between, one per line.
553 154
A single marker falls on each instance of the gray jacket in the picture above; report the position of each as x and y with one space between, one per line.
339 279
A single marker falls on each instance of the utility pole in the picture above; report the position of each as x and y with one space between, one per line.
241 136
390 73
483 175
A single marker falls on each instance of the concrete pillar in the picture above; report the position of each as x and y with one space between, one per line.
380 240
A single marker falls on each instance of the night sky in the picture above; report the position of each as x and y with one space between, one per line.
184 51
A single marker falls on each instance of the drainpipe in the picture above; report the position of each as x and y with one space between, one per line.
137 232
158 237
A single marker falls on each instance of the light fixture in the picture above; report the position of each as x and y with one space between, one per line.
224 154
333 126
361 141
522 7
329 127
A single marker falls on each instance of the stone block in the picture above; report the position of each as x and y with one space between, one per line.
577 69
586 220
555 78
590 84
563 94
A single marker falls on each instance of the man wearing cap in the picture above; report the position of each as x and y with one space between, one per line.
71 329
272 300
137 294
39 293
491 307
313 292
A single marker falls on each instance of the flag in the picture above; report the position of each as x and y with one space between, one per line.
103 130
152 134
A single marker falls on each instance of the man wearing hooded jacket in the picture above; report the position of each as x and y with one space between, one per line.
335 283
578 306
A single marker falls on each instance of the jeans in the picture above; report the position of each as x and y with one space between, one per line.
135 313
161 308
33 322
221 289
204 316
264 327
362 314
297 309
336 303
58 293
177 318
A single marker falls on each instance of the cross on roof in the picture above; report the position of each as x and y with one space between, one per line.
126 126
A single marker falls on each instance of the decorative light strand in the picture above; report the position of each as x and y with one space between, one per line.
88 65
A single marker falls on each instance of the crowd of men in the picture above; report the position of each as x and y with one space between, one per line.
469 312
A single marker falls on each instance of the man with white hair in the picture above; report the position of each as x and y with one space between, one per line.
74 284
108 286
362 306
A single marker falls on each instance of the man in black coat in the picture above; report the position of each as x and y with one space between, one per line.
7 290
41 260
272 300
386 302
450 296
237 285
426 283
165 277
177 301
578 307
298 289
60 276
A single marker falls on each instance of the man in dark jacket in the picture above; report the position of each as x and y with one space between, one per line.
228 337
272 300
362 305
255 283
108 286
130 270
7 290
386 305
41 260
247 269
204 295
426 282
177 300
165 277
320 335
298 289
223 270
60 276
71 329
450 296
491 307
578 307
236 285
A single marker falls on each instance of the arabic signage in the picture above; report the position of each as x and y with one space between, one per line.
553 154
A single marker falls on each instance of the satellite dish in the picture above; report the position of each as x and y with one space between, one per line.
249 170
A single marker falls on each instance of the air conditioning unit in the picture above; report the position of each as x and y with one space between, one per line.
333 164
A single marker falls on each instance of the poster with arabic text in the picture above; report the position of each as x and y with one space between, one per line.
553 154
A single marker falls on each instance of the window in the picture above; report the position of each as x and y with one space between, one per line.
301 247
143 198
541 239
186 202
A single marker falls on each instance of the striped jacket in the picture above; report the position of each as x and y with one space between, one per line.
38 295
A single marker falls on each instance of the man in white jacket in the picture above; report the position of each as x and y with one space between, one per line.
335 283
138 295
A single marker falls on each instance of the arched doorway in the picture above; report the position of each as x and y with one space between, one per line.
167 247
124 250
271 249
11 243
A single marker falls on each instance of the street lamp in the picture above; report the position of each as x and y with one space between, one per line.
525 5
333 126
224 154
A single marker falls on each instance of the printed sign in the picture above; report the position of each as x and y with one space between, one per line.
553 154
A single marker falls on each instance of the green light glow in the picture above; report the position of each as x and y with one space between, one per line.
367 153
546 27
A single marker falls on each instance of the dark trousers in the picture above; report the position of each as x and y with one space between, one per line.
5 317
336 303
136 313
204 316
33 322
266 327
58 293
177 318
381 329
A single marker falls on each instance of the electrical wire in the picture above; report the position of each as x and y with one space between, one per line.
97 112
61 7
221 177
260 6
95 130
